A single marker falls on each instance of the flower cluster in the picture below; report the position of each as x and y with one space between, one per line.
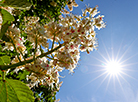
70 4
13 34
63 41
35 31
43 72
75 32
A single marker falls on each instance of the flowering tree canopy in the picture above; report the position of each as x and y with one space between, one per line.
39 39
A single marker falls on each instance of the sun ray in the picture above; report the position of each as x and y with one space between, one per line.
101 70
127 50
124 79
108 83
117 55
106 50
103 57
119 83
129 64
103 81
129 58
121 86
95 65
129 76
112 47
93 79
113 67
99 59
114 83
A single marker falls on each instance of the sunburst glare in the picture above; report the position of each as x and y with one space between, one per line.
113 67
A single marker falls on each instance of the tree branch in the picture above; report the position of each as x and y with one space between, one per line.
5 67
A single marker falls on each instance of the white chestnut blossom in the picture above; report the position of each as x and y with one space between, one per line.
63 41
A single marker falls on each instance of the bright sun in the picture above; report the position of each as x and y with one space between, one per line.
113 67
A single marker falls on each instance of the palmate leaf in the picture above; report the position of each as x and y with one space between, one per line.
19 4
0 75
7 18
4 60
15 91
4 29
22 74
1 53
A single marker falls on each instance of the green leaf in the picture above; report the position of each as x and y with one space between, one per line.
1 1
23 74
4 29
19 4
4 60
1 53
6 16
15 91
0 74
5 38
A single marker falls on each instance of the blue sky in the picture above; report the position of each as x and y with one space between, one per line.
118 40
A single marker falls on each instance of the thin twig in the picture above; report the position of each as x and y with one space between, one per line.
35 47
22 54
15 49
53 41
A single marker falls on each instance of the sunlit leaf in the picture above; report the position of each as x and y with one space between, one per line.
22 75
6 16
1 1
15 91
1 53
4 60
0 74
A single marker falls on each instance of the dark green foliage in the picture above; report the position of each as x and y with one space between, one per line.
20 75
20 4
44 9
9 53
44 93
